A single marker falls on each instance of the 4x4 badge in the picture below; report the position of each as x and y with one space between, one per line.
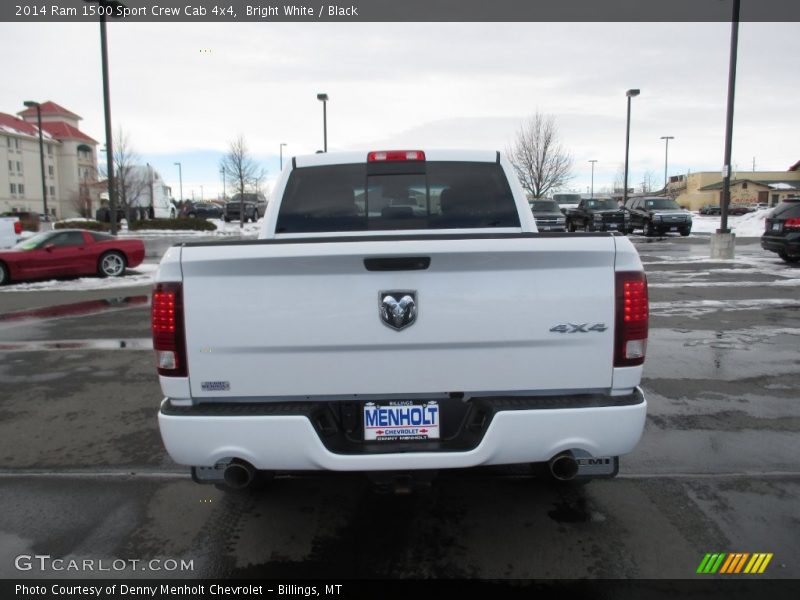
578 328
398 309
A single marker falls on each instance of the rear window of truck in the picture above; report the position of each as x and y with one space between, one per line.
425 195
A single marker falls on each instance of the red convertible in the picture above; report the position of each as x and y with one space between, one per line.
69 252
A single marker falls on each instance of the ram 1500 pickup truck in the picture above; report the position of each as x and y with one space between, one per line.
400 313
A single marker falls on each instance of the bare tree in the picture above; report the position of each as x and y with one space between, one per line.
81 200
541 162
619 178
130 178
649 182
242 171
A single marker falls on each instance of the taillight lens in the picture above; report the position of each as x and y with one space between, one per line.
166 318
632 315
793 223
394 155
17 227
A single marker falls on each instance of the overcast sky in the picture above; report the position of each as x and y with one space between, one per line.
183 91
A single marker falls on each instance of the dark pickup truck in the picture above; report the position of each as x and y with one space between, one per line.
597 214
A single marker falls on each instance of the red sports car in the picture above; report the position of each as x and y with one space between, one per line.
69 252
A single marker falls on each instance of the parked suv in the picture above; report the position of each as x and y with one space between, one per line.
782 230
255 205
658 215
202 210
548 215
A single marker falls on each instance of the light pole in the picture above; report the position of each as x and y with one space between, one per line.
630 94
726 168
282 145
109 7
666 139
592 193
222 172
180 179
324 99
32 104
723 240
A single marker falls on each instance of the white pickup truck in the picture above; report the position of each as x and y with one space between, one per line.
400 313
10 231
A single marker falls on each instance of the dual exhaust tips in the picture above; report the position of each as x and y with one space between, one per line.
240 474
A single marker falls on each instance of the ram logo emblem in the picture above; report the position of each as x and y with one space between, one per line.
398 309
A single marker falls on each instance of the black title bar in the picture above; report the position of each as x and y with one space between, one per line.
357 11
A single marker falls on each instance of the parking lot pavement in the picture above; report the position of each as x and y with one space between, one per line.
85 475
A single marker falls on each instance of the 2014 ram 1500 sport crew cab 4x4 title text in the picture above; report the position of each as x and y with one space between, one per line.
400 312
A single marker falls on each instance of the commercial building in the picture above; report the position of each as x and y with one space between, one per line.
747 187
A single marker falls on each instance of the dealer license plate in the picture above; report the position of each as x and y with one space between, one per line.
399 421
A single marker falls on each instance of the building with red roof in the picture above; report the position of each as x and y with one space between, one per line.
70 162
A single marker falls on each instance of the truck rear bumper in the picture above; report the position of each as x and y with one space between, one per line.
290 442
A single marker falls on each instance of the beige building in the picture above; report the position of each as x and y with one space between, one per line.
70 163
747 187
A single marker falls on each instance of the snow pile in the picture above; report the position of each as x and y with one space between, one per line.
141 275
749 225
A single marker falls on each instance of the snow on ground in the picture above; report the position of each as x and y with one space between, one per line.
749 225
141 275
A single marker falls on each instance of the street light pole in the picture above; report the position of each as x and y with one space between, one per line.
666 139
31 104
180 180
324 99
726 169
282 145
723 240
630 94
110 7
592 193
222 172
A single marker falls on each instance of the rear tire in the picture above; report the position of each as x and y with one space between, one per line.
785 257
4 278
649 230
111 264
571 227
685 232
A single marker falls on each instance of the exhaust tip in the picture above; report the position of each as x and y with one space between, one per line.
239 474
563 467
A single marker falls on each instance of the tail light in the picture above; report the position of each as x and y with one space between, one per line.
166 318
632 314
17 227
394 155
793 223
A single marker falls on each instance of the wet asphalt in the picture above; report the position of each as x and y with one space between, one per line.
84 474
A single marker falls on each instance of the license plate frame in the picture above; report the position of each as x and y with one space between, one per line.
393 421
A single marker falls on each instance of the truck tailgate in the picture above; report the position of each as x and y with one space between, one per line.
494 315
